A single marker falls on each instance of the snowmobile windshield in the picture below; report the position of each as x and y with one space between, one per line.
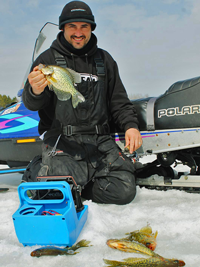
45 38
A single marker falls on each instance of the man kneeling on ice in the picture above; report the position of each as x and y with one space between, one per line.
77 141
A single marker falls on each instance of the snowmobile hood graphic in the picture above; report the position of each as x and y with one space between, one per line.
15 122
27 123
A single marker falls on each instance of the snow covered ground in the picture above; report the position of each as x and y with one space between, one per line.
174 214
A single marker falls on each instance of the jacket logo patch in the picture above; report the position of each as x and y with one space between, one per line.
89 77
177 111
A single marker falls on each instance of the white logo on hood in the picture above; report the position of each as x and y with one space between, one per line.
78 9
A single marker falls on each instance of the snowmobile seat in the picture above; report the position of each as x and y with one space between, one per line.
178 107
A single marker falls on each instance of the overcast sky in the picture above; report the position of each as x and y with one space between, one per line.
155 42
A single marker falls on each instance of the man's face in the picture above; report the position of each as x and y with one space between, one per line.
77 33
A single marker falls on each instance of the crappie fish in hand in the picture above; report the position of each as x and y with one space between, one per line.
144 236
61 81
55 251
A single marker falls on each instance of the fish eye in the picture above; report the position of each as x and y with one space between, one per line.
148 244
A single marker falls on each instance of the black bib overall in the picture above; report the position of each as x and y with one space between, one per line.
84 148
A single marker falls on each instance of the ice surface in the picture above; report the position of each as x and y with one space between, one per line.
174 214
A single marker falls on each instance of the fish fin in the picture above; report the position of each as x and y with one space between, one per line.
69 252
77 98
85 243
81 244
50 86
134 260
62 96
156 233
53 79
134 232
147 229
40 66
128 233
76 76
112 263
128 238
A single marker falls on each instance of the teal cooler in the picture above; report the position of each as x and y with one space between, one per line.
34 228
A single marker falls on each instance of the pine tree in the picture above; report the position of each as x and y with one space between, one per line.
6 100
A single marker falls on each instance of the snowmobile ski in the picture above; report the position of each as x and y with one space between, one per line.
12 170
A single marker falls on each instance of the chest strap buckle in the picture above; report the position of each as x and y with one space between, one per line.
68 130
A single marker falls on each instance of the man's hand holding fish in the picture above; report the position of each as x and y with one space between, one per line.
37 81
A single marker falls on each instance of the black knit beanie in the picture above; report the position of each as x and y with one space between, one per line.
76 11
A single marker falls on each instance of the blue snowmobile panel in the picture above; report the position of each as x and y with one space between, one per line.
19 137
18 122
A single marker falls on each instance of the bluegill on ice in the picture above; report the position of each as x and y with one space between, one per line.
144 236
131 246
61 81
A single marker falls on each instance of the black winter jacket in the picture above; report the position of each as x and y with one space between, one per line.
122 111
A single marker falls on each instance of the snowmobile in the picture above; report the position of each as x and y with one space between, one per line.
169 126
19 137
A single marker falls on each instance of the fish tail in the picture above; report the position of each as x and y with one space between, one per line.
83 243
80 244
77 98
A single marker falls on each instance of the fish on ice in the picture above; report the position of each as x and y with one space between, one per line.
130 246
150 262
144 236
55 251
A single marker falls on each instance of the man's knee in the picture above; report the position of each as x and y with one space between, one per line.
111 190
127 193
